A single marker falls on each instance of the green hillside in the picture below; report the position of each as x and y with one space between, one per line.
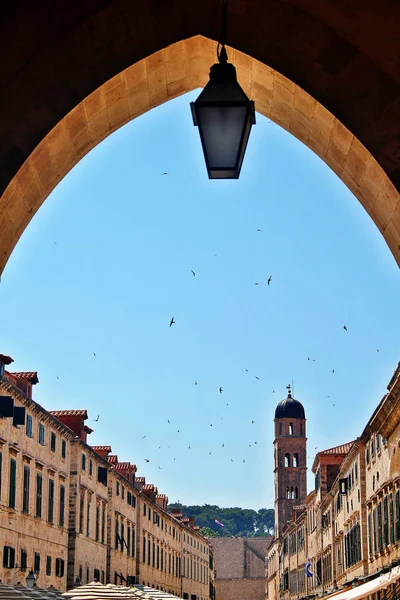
240 522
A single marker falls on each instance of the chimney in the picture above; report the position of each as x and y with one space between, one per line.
75 420
23 381
139 483
162 501
150 491
127 470
4 361
176 513
104 451
191 522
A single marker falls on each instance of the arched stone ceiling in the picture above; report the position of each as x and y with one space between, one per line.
164 75
345 54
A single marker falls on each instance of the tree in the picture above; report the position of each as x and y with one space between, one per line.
208 532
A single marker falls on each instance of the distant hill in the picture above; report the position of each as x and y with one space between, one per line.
239 522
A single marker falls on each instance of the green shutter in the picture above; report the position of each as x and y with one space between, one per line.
62 505
13 476
391 515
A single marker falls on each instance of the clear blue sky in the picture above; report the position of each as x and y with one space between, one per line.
107 262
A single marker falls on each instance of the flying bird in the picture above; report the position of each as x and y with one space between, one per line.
59 378
147 459
376 350
172 322
333 371
160 468
94 354
193 273
269 279
258 229
220 390
209 453
178 431
143 437
255 443
328 396
169 421
257 377
165 173
256 284
195 383
308 358
244 460
344 327
252 422
222 445
246 370
231 459
98 416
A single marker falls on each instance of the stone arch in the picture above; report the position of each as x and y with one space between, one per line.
174 70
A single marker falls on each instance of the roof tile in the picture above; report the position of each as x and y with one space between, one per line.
69 413
29 375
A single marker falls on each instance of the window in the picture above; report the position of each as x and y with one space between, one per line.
62 505
48 565
123 492
287 460
317 479
96 575
149 514
13 475
83 462
97 522
391 515
397 515
290 428
144 509
372 448
90 467
380 540
24 560
39 488
8 557
50 507
144 550
28 426
301 428
59 567
36 563
133 543
63 450
116 533
1 468
88 519
117 488
41 434
81 509
53 441
25 492
128 541
385 521
378 443
295 460
103 523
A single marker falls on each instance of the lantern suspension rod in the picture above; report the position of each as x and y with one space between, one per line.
221 51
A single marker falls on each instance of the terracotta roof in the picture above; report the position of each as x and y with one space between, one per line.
141 479
102 448
70 413
124 465
113 458
31 376
148 486
342 449
6 360
163 496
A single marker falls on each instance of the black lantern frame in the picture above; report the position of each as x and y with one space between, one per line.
224 115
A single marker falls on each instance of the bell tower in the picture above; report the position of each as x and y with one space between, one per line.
290 459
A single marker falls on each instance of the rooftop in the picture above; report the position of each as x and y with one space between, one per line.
70 413
30 376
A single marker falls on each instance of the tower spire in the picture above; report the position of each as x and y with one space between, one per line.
289 389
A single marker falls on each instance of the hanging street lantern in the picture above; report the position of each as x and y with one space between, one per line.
224 115
30 579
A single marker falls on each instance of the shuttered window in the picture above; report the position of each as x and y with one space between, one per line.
25 494
36 563
398 515
62 506
391 517
13 476
50 511
385 522
39 489
380 540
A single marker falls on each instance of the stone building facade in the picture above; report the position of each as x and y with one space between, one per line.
240 567
347 531
70 510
